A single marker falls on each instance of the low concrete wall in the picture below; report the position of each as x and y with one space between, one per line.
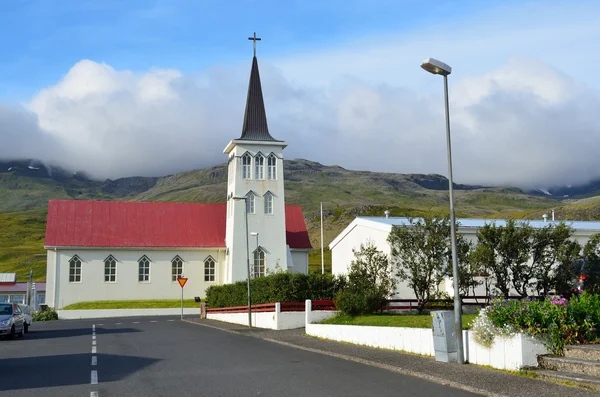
110 313
269 320
506 353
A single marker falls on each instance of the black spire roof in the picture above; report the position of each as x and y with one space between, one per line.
255 119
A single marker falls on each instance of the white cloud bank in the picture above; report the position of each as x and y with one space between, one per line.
519 121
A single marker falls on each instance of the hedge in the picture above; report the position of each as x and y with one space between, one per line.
278 287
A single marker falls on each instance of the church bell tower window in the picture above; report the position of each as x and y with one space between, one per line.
268 200
272 167
259 162
250 203
247 166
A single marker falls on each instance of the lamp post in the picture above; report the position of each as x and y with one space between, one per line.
247 258
436 67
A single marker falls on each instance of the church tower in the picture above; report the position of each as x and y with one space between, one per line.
255 192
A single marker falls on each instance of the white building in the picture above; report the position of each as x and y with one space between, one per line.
377 229
111 250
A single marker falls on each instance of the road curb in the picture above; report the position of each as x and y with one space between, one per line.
388 367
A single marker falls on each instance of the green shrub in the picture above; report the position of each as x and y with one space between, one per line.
370 282
276 287
555 321
46 315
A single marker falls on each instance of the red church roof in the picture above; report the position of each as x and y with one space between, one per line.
79 223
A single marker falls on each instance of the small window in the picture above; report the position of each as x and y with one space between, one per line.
17 299
259 165
272 167
75 270
247 166
144 269
209 269
3 298
250 203
259 263
268 201
110 270
176 268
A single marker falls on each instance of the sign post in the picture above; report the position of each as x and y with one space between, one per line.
182 281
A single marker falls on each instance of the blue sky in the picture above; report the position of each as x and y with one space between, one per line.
42 39
121 88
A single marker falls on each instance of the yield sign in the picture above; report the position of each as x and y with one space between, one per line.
182 281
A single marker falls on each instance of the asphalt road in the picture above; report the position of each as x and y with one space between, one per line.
163 356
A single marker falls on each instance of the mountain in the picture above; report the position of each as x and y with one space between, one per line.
26 188
589 189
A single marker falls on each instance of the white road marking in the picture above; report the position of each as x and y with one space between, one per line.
136 322
94 377
93 343
94 337
100 325
170 320
118 323
152 321
93 327
94 360
94 394
93 349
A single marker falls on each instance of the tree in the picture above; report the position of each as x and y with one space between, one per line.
553 258
468 268
591 258
370 282
485 257
419 253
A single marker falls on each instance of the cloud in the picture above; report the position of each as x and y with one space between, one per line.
523 107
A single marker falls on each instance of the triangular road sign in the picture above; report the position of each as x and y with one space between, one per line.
182 281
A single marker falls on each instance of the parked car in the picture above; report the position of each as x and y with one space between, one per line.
12 322
27 316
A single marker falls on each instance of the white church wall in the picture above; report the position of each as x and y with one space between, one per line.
300 259
50 276
270 227
127 287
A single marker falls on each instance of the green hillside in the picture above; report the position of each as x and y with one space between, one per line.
345 194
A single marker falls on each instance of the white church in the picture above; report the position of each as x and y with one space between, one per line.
115 250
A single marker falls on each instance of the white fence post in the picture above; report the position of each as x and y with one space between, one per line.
203 310
277 311
307 312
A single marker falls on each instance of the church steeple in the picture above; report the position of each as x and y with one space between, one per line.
255 118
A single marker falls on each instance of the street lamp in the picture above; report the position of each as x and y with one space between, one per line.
436 67
255 234
247 258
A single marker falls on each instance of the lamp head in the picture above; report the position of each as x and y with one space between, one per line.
254 233
436 67
239 198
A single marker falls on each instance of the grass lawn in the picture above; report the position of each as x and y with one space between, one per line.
133 304
394 320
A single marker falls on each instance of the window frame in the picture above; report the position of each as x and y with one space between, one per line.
259 167
210 271
247 166
106 262
251 203
75 265
268 199
259 255
272 168
144 257
175 275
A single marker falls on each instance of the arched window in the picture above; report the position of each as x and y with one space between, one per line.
250 202
110 269
259 166
268 201
259 263
272 167
247 166
144 269
209 269
176 268
75 270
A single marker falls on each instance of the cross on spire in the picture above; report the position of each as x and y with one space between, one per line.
254 39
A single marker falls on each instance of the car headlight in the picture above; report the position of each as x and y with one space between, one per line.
4 323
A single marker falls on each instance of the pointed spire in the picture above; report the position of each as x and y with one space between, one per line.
255 119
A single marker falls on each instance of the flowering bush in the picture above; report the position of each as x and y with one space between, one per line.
555 320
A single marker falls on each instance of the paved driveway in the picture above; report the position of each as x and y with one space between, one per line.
166 357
